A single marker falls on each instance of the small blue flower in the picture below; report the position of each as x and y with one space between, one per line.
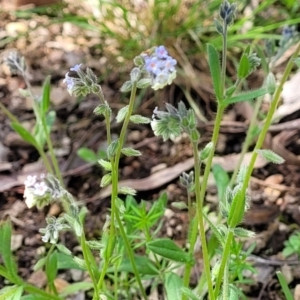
170 64
70 82
162 77
76 68
161 52
153 65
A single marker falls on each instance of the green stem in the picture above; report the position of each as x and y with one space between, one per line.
41 120
114 197
51 151
269 117
258 145
248 140
188 266
85 252
225 256
224 57
225 287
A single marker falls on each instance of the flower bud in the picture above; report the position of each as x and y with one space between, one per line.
135 74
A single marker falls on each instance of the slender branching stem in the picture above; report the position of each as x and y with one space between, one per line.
248 140
114 197
85 252
41 121
259 143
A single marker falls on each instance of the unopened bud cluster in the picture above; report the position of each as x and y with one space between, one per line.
84 84
227 12
187 180
16 62
170 123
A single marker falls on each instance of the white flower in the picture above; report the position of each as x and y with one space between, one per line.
40 189
30 199
30 181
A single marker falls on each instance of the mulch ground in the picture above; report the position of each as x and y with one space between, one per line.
52 50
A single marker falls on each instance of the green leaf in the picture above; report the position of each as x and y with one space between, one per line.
122 113
284 286
237 209
288 251
204 153
221 179
244 67
25 135
215 70
106 165
243 233
51 267
297 61
173 284
138 119
106 180
191 295
6 253
11 293
217 233
73 288
144 265
63 249
39 264
144 83
112 148
126 87
126 190
131 152
102 109
168 249
50 119
157 209
271 156
46 96
87 155
245 96
67 262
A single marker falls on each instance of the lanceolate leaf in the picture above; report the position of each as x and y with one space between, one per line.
5 251
244 67
173 284
25 135
46 96
271 156
168 249
215 70
245 96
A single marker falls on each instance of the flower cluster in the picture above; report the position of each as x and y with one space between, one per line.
227 12
160 66
36 192
169 124
84 84
41 191
54 226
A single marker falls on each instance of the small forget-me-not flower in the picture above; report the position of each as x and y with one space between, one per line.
160 67
84 84
42 191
